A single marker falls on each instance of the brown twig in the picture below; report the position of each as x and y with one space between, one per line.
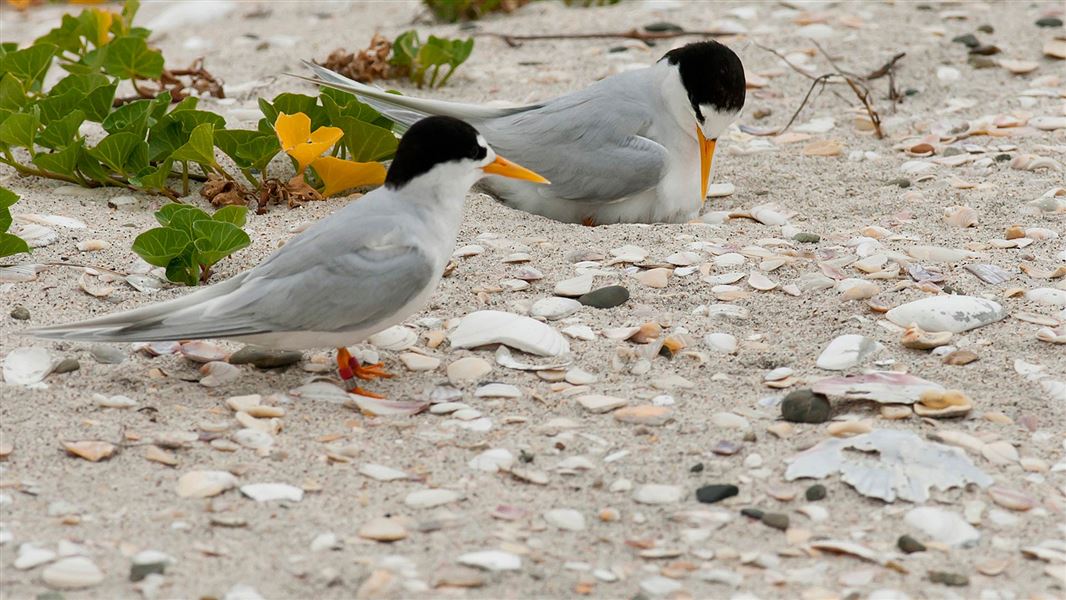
170 81
515 41
861 91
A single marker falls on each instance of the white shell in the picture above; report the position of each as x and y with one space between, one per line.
940 253
847 351
486 327
27 366
35 235
53 220
1048 296
947 313
944 526
72 573
880 386
382 473
761 282
265 492
492 460
890 464
492 560
575 286
722 342
204 484
555 308
394 338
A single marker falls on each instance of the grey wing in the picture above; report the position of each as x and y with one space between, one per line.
355 288
590 148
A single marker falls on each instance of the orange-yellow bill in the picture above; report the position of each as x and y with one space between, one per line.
706 155
505 168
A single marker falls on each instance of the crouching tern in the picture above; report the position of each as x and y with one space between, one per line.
634 147
368 266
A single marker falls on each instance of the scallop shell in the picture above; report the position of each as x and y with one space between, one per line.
886 387
394 338
722 342
961 216
27 366
486 327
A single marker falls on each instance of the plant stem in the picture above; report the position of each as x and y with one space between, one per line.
184 178
24 170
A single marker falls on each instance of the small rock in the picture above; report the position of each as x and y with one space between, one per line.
107 355
709 494
752 513
67 365
960 357
775 520
969 40
265 358
72 573
605 297
805 406
909 545
1049 22
804 237
815 492
657 494
21 313
383 529
149 562
949 579
597 403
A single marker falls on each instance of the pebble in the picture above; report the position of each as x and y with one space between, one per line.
596 403
804 237
72 573
555 308
1049 22
149 562
265 358
470 368
815 492
565 518
383 529
430 498
67 365
775 520
949 579
21 313
909 545
605 297
492 560
657 494
107 354
805 406
709 494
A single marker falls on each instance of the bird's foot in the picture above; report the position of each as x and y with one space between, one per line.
588 222
350 370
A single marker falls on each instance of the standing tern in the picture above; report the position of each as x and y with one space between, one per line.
634 147
368 266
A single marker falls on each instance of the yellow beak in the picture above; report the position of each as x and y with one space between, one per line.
706 156
505 168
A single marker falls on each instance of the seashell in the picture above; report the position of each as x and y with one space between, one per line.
1052 336
961 216
724 279
266 492
872 263
54 220
94 287
948 74
35 236
72 573
145 283
1039 273
847 351
940 254
394 338
628 254
890 464
761 282
1032 162
720 190
491 560
722 342
823 148
767 215
92 451
93 245
382 473
385 408
1012 499
218 373
486 327
917 338
857 289
944 526
684 259
848 428
204 484
527 274
647 333
1047 296
203 352
654 278
504 358
1019 67
1055 48
467 369
943 403
818 125
947 313
468 251
880 386
990 273
27 366
1048 123
851 548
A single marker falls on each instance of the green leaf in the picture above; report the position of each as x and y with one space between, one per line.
366 142
159 106
56 106
84 83
90 167
7 198
216 240
129 57
12 95
164 138
29 64
291 104
339 104
12 244
200 148
129 10
62 131
5 219
63 161
248 149
154 178
231 214
124 152
132 117
183 220
167 212
159 245
184 268
19 129
405 48
191 119
65 37
98 102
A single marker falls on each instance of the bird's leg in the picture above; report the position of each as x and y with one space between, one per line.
588 222
350 369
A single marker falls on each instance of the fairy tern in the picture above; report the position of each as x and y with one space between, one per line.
634 147
368 266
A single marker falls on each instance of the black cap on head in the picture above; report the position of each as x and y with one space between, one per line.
712 74
428 143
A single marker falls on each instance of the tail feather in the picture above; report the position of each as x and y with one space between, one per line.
405 110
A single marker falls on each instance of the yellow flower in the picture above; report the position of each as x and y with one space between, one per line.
294 133
340 175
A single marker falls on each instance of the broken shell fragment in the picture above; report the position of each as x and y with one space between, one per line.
917 338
